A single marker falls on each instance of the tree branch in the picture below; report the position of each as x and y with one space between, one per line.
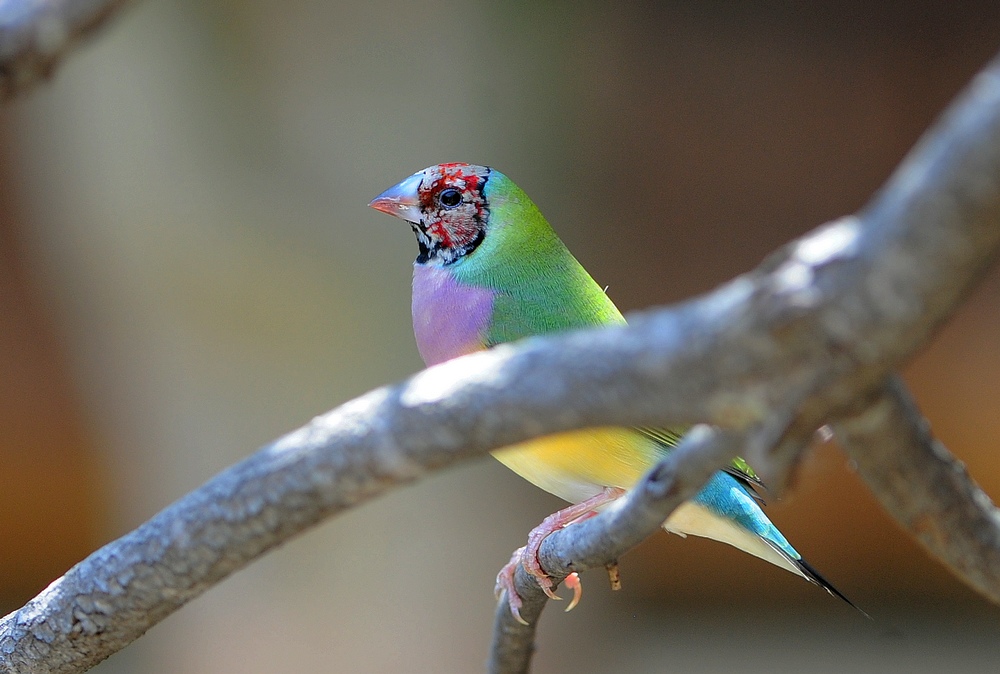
949 514
924 487
36 34
821 323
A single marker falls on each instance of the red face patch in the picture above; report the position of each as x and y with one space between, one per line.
453 206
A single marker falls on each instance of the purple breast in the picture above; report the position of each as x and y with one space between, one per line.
449 319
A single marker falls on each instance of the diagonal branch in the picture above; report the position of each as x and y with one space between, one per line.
831 314
36 34
924 487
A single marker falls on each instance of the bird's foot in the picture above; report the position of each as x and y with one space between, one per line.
505 583
528 555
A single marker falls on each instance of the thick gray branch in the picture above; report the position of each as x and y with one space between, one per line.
924 487
827 318
36 34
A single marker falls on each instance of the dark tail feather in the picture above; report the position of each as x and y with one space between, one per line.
814 576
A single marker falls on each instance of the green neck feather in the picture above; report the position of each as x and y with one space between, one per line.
540 285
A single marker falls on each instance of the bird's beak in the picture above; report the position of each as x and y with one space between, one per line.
401 200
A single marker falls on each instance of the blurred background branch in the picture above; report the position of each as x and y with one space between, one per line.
35 35
188 267
926 489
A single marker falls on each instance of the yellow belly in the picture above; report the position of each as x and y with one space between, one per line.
579 464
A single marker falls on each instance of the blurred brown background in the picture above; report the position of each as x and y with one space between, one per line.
188 269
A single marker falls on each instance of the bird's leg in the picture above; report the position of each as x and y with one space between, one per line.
528 555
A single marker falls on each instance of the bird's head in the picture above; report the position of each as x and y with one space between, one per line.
446 206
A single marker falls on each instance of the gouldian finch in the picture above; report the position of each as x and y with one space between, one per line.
490 270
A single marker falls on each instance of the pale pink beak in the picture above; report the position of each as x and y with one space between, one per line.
401 200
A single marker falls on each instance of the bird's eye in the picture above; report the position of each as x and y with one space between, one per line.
450 198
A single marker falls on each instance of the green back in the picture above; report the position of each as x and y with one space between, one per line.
540 285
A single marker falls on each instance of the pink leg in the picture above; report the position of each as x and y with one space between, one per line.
528 555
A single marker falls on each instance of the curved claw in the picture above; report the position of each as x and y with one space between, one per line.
505 586
515 609
574 583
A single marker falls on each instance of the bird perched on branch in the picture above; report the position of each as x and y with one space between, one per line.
490 270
